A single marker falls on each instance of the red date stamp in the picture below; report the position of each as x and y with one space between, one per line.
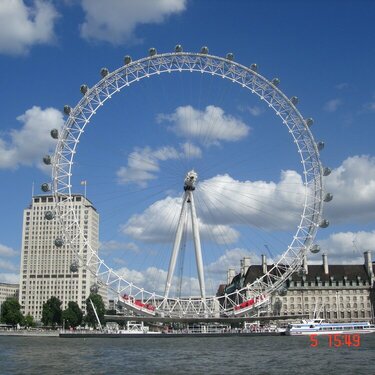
336 340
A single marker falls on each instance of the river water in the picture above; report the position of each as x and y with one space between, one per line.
185 355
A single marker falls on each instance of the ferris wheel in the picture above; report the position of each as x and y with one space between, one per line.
245 299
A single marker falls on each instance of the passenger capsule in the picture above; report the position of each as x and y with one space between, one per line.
294 100
178 48
152 51
74 267
315 249
54 133
127 60
83 89
49 215
94 289
309 121
283 291
254 67
326 171
320 145
324 223
67 110
230 56
45 187
204 50
59 242
328 197
104 72
47 160
276 82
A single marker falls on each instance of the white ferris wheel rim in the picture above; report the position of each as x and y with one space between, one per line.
248 78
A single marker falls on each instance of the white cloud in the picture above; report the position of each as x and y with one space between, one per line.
7 251
255 110
144 163
153 279
210 126
115 21
230 259
346 247
221 203
353 187
23 26
158 224
190 151
27 145
332 105
261 204
11 278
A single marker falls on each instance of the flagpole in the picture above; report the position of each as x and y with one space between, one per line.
84 182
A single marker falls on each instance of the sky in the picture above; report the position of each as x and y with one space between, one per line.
137 150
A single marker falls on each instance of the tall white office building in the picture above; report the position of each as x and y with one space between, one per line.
46 270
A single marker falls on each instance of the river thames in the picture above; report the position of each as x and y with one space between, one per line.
185 355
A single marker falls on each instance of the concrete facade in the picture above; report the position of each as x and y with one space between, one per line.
45 269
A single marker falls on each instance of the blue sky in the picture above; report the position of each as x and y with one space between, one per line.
321 52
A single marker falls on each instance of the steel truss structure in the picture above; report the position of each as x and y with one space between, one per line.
148 302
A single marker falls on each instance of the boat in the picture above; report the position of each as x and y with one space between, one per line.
137 328
321 327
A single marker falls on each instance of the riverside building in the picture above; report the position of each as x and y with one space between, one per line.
338 293
48 270
8 290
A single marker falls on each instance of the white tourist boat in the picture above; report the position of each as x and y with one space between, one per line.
320 327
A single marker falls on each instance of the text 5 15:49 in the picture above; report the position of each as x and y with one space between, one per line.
336 340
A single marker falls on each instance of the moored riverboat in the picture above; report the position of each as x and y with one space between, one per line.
320 327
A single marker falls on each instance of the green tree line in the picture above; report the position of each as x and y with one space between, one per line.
53 315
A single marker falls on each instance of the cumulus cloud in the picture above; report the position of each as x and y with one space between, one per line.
230 259
27 145
332 105
158 224
346 247
153 279
115 21
353 187
261 204
208 127
23 26
144 163
222 203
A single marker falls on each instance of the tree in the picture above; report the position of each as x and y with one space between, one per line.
29 321
73 315
52 313
99 307
11 312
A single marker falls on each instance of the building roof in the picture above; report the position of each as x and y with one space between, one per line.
338 272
